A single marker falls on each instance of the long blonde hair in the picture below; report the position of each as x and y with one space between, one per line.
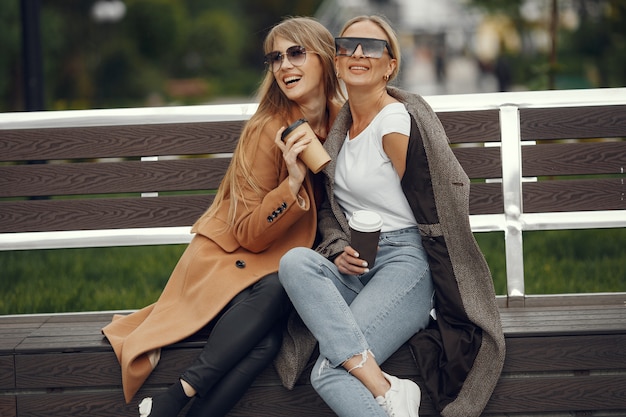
273 104
382 23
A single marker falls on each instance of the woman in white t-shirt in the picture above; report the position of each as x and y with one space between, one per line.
361 315
391 155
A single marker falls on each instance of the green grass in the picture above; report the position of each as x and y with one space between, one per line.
88 279
563 261
63 280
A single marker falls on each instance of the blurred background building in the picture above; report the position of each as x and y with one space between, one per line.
462 46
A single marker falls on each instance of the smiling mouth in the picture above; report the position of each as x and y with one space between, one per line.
359 68
291 80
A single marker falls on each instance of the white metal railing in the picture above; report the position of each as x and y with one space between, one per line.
512 222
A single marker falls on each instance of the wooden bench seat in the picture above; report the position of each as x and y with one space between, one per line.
558 360
537 160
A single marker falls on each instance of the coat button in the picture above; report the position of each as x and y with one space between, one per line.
240 264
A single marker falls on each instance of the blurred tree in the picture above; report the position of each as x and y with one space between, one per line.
156 27
214 44
123 78
10 53
214 50
597 48
589 53
90 63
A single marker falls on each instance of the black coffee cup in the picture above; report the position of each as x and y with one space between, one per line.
365 226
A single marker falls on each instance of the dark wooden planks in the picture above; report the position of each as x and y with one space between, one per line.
559 359
8 406
184 138
572 320
112 177
573 122
101 213
486 198
7 372
565 353
585 158
91 369
573 195
471 126
479 161
553 394
14 329
64 404
119 141
302 401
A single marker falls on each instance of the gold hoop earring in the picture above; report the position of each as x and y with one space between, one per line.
386 77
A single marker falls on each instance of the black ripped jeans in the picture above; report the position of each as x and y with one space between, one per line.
245 338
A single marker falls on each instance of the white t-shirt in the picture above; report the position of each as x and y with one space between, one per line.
365 178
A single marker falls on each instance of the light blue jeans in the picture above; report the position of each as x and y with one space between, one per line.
349 315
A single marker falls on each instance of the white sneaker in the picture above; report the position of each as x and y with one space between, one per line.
402 399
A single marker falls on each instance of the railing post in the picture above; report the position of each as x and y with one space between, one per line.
512 199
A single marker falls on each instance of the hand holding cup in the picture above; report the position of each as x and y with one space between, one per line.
314 155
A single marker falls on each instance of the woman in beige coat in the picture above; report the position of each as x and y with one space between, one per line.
227 276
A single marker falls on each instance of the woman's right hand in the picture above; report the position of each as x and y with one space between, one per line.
291 148
348 262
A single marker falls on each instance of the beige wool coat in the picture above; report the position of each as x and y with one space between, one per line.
219 262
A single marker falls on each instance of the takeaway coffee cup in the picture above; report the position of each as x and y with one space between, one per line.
314 156
365 228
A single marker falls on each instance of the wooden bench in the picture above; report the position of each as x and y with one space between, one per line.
142 176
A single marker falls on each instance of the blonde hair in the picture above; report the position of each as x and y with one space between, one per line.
392 38
273 104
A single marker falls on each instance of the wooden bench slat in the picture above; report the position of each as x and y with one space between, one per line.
112 177
88 318
64 404
15 329
573 195
537 397
67 357
106 404
8 405
119 141
471 126
563 353
92 369
558 394
166 211
588 320
7 373
573 122
573 159
486 198
480 162
101 213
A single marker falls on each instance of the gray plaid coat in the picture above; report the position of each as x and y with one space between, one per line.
461 354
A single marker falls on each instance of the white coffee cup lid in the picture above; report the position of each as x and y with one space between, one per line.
366 221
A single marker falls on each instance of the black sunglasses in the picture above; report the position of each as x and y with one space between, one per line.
371 48
295 54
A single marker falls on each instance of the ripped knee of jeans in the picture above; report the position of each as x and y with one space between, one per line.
324 365
364 355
